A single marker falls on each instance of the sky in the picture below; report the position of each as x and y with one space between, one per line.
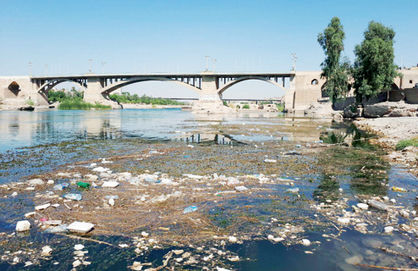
49 37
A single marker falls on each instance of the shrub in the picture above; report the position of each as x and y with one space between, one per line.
407 142
246 106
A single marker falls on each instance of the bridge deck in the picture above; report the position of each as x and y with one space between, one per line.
156 75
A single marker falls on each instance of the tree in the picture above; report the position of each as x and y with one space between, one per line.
374 69
334 70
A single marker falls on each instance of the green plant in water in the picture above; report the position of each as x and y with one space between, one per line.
333 138
407 142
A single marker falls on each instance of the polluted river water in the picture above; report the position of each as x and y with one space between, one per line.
166 189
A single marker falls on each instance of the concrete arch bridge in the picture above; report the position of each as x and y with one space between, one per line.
301 88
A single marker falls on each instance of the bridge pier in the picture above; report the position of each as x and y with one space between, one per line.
94 93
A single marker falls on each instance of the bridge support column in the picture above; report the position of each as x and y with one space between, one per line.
209 98
93 93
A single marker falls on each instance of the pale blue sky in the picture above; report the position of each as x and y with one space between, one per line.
59 37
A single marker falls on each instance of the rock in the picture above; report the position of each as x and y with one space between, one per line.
354 259
136 266
29 214
379 205
110 184
80 227
376 110
36 182
293 190
233 259
270 161
306 242
241 188
363 206
22 225
76 263
404 213
178 251
78 247
388 229
344 220
46 251
232 239
100 169
42 207
53 222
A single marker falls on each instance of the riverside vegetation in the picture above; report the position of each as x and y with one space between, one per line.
73 100
126 97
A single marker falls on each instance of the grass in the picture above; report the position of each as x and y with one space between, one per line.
73 100
127 98
78 104
407 142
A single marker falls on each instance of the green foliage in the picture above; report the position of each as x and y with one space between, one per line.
280 107
73 100
61 95
333 138
79 104
135 99
334 70
30 102
225 103
407 142
374 69
246 106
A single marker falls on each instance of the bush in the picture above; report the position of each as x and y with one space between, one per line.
127 98
407 142
246 106
280 107
79 104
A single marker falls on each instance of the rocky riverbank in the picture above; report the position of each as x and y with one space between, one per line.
391 131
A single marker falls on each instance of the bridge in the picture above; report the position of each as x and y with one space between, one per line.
301 88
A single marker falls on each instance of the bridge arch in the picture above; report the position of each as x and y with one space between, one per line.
47 86
230 84
110 88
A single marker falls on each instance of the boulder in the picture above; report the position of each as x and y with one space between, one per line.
376 110
36 182
23 225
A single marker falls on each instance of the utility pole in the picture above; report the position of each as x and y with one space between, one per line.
90 65
207 63
294 59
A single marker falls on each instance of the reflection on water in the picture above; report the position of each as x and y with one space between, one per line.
21 128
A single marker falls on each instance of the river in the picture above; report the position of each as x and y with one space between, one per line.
267 192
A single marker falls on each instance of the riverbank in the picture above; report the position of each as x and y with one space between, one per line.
152 106
392 130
